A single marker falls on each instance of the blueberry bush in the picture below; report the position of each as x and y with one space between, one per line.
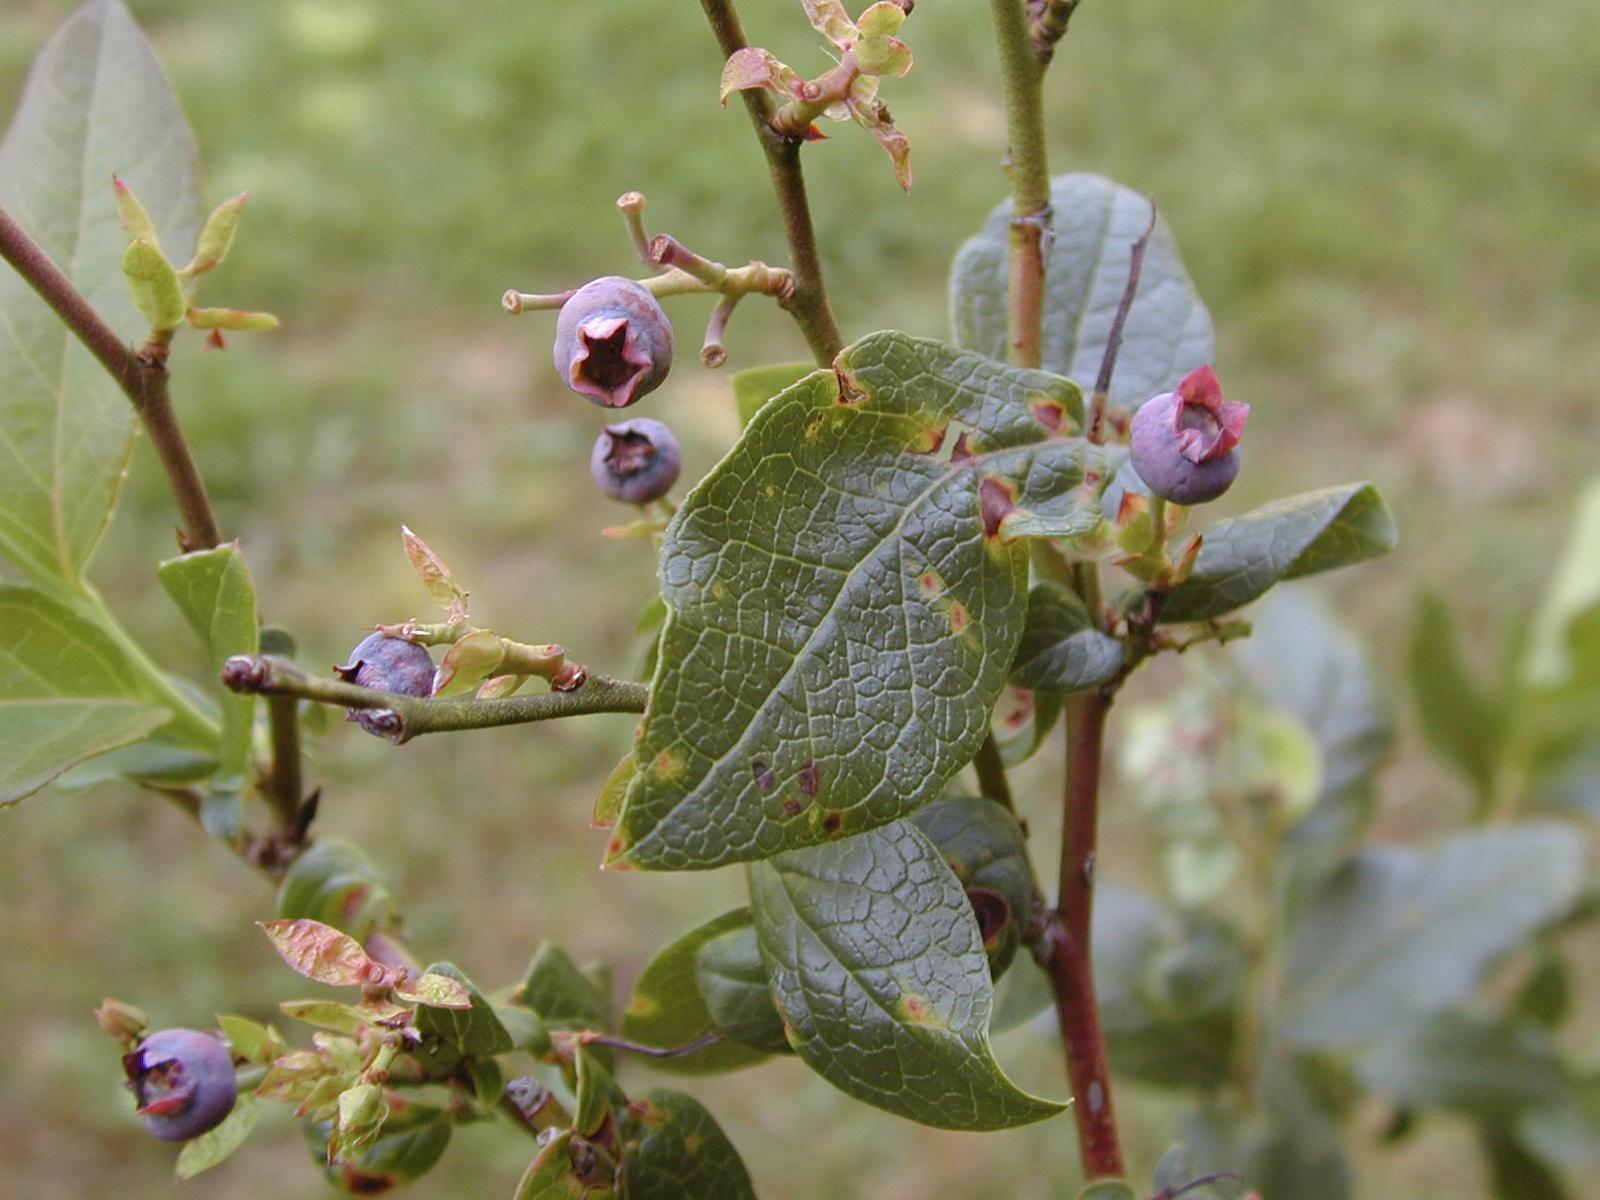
918 561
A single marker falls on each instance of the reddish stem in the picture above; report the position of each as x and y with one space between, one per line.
1071 963
141 376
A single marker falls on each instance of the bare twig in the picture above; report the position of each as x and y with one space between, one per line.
992 781
1108 361
409 716
809 302
141 376
592 1037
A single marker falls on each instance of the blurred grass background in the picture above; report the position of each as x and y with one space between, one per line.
1390 206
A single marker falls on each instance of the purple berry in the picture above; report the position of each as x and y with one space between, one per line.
613 342
637 461
1185 443
183 1081
386 664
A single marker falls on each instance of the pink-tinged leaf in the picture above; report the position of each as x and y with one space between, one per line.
322 953
882 18
753 67
829 18
292 1077
437 578
892 140
883 56
499 687
434 991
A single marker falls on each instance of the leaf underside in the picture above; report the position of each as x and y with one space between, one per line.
96 103
1095 223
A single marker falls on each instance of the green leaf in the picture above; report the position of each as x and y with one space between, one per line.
1514 1173
335 883
67 692
1574 591
732 979
674 1149
609 802
213 590
1457 718
1096 223
250 1040
666 1008
153 285
96 104
1061 650
206 1151
562 996
1486 1066
216 237
842 614
1302 661
412 1141
451 1034
1302 535
879 971
593 1094
1397 934
1108 1189
754 386
552 1176
1168 987
985 847
1020 995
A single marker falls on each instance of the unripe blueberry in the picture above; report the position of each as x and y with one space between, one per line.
613 342
637 461
387 664
1185 443
183 1081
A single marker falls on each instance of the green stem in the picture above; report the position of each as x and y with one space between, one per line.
267 675
991 769
1029 168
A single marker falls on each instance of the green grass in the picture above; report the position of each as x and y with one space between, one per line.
1388 206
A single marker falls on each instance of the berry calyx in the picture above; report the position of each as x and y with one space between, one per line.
183 1081
636 461
613 342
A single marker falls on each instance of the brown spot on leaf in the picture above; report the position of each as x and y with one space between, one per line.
957 615
928 440
1049 413
809 780
962 451
914 1007
850 392
791 807
765 779
996 501
930 583
832 822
